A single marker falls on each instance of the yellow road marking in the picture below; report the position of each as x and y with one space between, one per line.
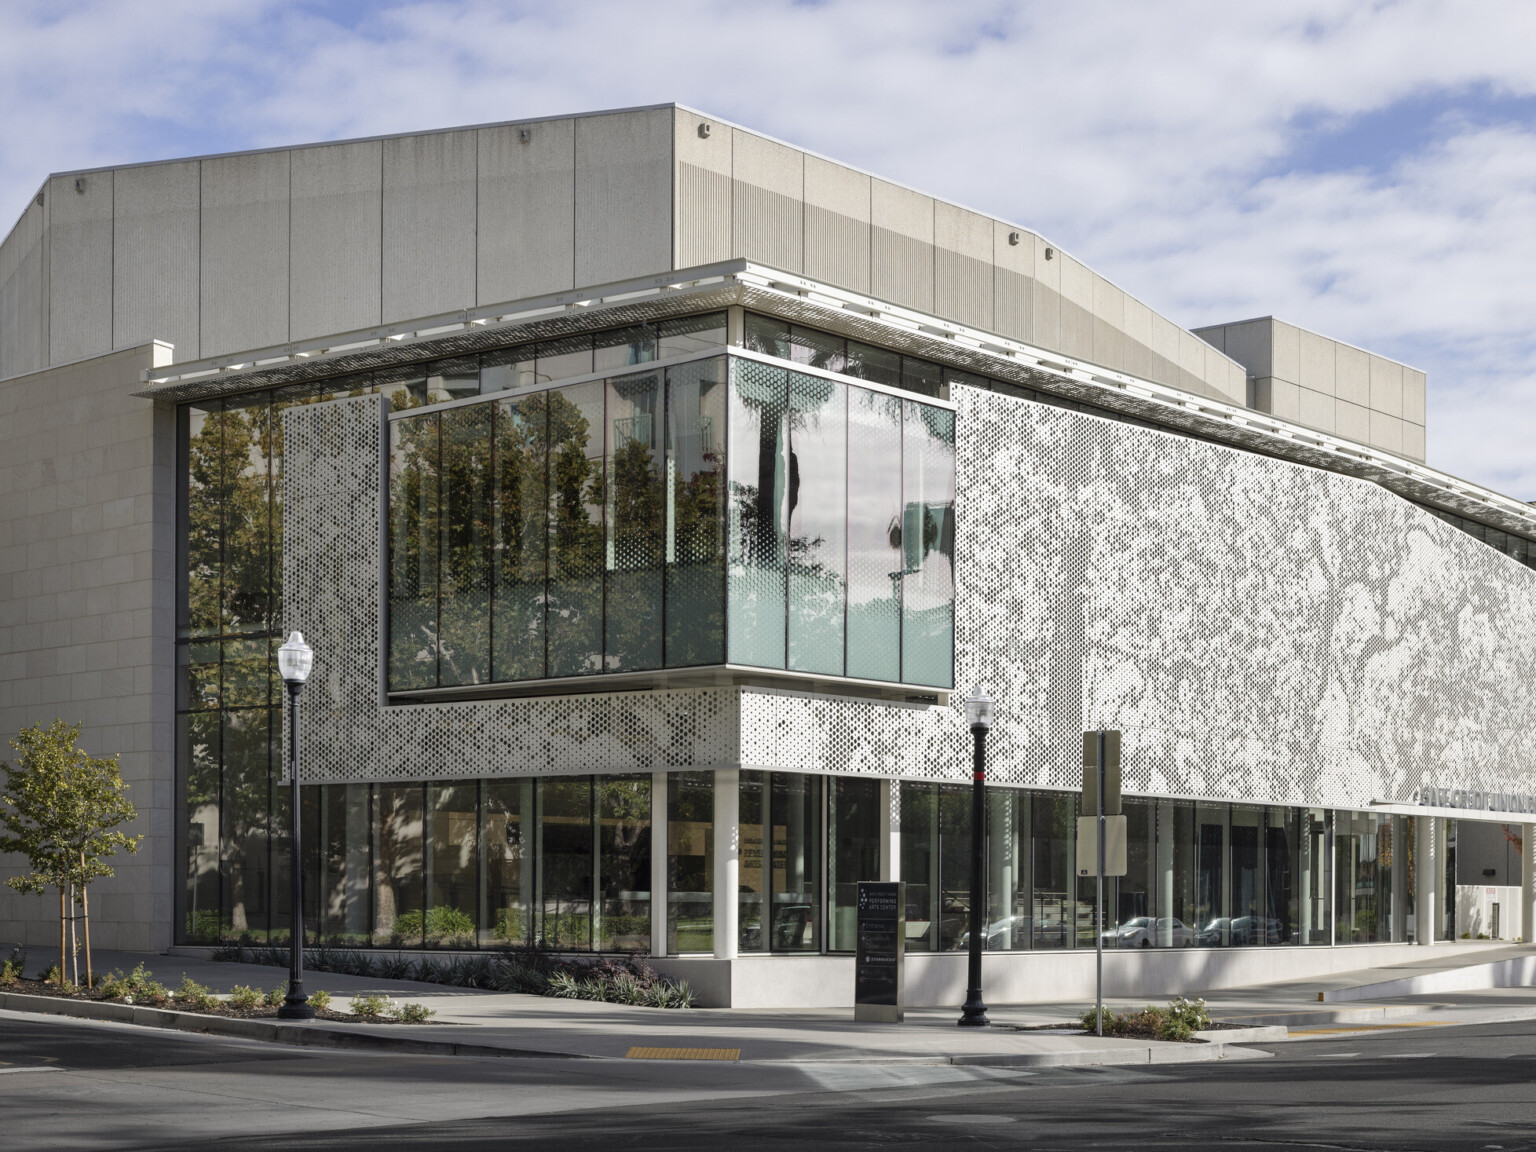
638 1053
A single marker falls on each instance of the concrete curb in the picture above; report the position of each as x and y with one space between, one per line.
1259 1034
272 1031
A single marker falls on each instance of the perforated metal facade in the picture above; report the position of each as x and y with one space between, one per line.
1259 630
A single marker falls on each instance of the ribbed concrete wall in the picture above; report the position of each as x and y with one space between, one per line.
226 254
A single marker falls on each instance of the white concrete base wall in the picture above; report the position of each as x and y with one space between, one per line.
938 979
1474 911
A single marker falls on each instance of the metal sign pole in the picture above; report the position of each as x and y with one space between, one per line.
1098 936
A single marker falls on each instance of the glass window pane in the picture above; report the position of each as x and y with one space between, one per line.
1054 870
953 376
691 334
466 501
520 537
454 379
1281 871
565 862
818 349
752 865
766 335
870 363
200 734
922 376
563 358
398 894
1215 922
624 863
1130 921
198 677
635 524
246 497
1247 898
507 368
413 552
1008 815
245 675
342 891
818 512
928 546
695 513
954 867
509 865
453 862
203 432
576 543
756 569
920 863
623 348
874 536
853 854
406 387
690 862
795 807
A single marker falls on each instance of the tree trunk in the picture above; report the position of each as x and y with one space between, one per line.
74 947
85 923
63 896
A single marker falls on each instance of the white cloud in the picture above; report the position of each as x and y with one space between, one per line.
1154 141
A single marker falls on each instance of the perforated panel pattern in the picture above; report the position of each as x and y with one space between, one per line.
1258 630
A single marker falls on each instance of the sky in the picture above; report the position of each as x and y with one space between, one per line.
1365 170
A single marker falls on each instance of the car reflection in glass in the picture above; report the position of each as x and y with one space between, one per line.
1150 932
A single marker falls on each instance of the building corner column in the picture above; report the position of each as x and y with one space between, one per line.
727 859
1427 870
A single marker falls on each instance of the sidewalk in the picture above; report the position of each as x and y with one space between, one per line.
473 1022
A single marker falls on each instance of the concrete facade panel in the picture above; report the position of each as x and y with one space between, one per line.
1108 324
244 250
1413 442
429 250
624 195
80 267
336 240
1286 351
901 245
701 226
1386 384
1318 371
1386 432
964 277
767 202
23 345
1414 386
1352 421
1252 346
526 211
156 237
837 224
1285 399
1315 409
1013 286
1075 335
1046 323
1352 375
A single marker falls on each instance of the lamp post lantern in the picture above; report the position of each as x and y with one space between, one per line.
978 714
294 660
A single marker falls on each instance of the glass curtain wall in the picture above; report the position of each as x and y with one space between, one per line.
781 822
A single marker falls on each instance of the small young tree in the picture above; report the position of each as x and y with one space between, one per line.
60 809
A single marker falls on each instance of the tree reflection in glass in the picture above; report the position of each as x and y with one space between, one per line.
576 530
694 530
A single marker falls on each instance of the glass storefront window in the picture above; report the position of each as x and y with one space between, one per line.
690 862
453 866
624 863
854 827
399 898
1053 911
507 848
413 552
464 523
565 862
520 536
794 896
576 535
754 863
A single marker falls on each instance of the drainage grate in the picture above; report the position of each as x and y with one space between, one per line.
683 1054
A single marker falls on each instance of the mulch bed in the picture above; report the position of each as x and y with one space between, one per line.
44 988
1072 1028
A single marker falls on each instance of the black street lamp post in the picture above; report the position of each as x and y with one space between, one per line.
294 660
978 713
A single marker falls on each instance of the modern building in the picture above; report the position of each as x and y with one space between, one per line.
651 493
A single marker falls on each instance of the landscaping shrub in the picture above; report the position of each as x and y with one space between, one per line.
370 1007
243 996
1179 1021
193 995
274 996
412 1013
320 1000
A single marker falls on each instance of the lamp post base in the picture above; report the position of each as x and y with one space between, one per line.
973 1014
295 1010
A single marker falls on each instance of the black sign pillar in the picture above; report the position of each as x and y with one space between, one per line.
878 995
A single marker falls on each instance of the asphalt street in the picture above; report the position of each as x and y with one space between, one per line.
69 1085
